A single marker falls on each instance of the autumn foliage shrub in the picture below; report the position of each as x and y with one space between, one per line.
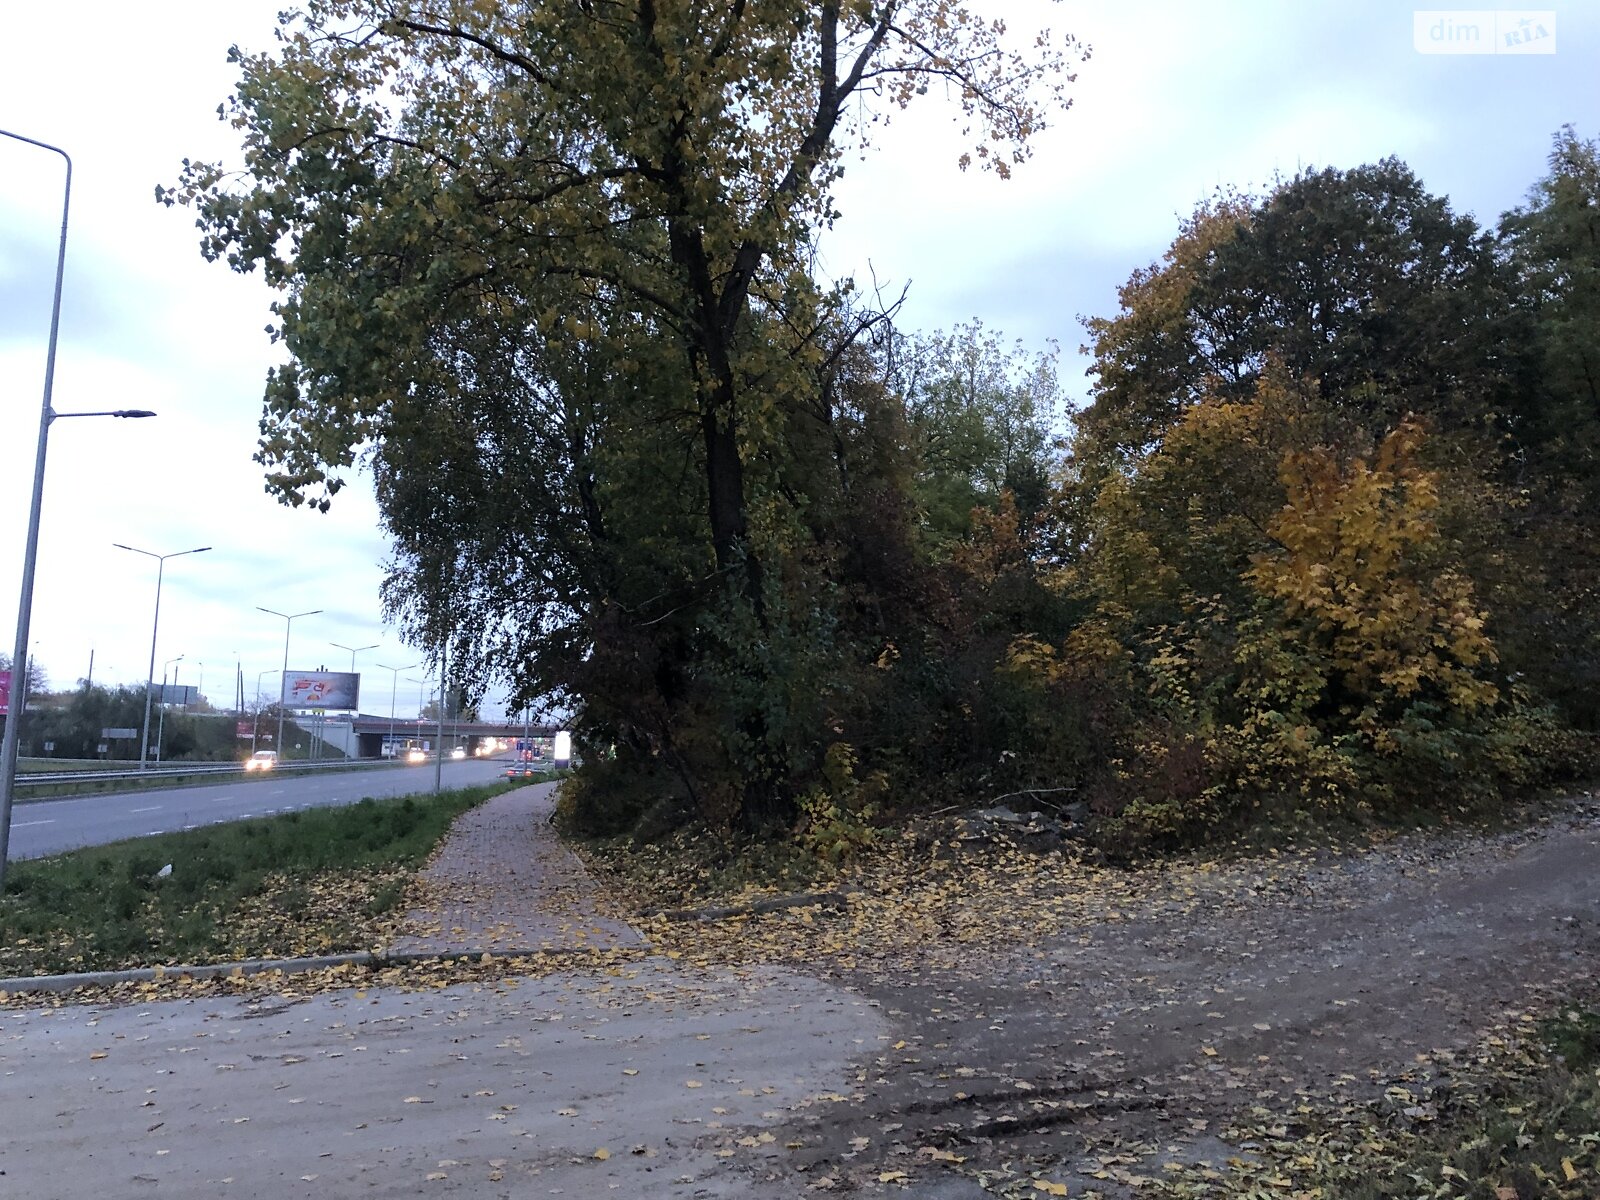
837 818
1341 667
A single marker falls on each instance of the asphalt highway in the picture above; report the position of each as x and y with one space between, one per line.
44 827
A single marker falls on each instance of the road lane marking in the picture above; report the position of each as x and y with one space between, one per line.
25 824
152 808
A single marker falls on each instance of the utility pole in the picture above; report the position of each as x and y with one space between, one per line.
438 758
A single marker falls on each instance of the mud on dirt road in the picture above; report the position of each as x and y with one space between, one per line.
1095 1057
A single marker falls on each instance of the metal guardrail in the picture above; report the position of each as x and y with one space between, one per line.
41 779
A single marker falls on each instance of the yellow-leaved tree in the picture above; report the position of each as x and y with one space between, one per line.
1352 569
1296 632
1360 675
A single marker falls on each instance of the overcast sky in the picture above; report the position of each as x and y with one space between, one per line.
1177 99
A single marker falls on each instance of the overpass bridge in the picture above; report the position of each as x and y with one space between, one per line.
362 735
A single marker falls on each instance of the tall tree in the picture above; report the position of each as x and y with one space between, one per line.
1552 245
982 418
604 202
1358 282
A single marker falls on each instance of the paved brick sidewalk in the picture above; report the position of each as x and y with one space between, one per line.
503 880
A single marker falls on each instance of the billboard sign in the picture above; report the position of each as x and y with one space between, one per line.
172 693
321 689
5 692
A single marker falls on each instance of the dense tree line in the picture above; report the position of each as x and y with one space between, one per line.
1318 541
71 722
1330 504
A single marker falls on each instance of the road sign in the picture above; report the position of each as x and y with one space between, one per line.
114 733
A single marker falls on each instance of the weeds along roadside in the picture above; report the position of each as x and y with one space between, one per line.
316 881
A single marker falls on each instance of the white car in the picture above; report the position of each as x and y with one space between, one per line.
261 760
416 755
458 752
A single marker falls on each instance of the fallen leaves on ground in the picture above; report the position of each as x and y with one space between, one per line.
427 975
912 905
1508 1118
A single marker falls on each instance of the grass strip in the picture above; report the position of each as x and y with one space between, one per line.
1518 1118
316 881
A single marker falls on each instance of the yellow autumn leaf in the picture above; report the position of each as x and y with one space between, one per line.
602 1154
1567 1169
1050 1188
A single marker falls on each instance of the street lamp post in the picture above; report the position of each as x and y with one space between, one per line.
424 689
288 622
394 687
155 625
354 650
255 726
438 757
30 555
161 724
438 763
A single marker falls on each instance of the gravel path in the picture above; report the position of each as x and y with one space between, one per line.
503 880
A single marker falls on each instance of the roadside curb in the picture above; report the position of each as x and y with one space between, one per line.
262 966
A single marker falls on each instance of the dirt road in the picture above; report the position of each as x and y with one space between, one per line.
1136 1040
